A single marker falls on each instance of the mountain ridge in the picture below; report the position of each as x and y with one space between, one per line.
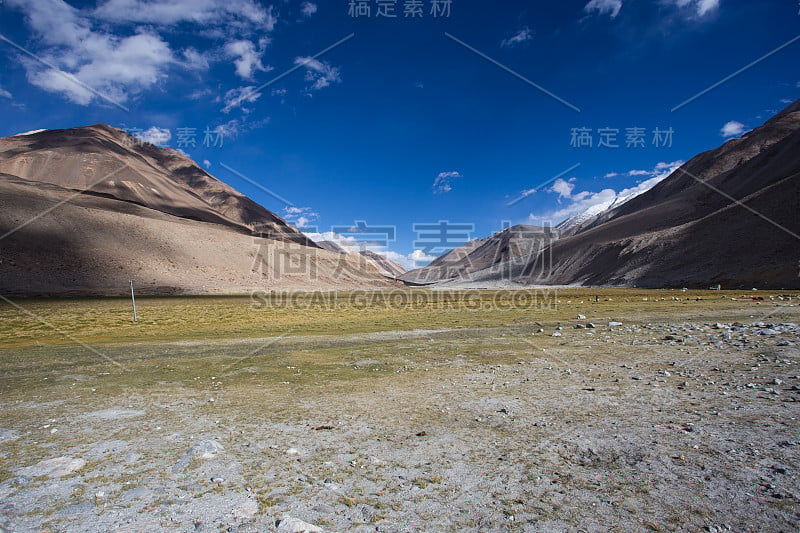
89 214
727 216
103 159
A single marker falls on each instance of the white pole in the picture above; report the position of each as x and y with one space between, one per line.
133 299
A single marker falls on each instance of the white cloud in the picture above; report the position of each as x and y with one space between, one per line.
229 130
4 93
350 244
443 182
602 7
114 65
732 129
523 35
118 48
692 8
419 256
246 57
353 245
563 188
300 217
195 60
235 127
660 167
55 21
786 101
155 135
320 73
240 95
206 163
592 203
199 93
639 173
706 6
585 202
700 8
168 12
308 9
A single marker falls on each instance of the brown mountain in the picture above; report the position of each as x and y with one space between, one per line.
83 211
729 216
109 162
493 258
384 264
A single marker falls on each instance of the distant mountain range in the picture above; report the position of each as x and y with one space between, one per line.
85 210
729 216
387 267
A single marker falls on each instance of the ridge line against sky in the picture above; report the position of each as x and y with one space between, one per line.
401 126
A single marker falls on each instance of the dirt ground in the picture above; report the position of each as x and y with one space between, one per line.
681 418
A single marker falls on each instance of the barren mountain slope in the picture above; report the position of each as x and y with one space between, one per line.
495 255
729 216
384 264
108 161
86 244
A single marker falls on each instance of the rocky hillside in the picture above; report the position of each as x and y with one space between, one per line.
728 216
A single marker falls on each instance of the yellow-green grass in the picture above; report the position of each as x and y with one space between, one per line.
61 322
63 346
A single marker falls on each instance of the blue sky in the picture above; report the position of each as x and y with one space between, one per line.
473 116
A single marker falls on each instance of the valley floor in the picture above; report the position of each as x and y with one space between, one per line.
234 414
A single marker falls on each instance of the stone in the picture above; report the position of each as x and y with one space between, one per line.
556 334
614 323
56 467
287 524
207 449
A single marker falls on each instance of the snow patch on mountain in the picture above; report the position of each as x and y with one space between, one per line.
607 202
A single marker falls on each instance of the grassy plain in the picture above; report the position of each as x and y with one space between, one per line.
403 410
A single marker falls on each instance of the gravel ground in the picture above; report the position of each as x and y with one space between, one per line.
655 425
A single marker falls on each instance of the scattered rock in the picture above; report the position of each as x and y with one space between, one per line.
614 323
287 524
206 449
56 467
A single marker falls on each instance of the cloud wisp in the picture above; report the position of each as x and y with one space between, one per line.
444 182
